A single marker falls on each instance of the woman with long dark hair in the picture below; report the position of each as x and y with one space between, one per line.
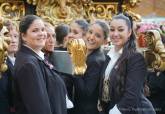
123 73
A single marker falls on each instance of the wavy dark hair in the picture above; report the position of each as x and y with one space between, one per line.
128 49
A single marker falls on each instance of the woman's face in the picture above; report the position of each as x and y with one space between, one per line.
119 33
14 41
50 41
94 37
35 36
75 31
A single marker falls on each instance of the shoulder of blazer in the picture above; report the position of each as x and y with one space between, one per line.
24 59
97 54
136 57
27 54
9 63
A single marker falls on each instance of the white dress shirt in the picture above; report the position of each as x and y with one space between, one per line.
12 59
114 55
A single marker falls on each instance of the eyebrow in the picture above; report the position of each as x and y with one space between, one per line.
117 27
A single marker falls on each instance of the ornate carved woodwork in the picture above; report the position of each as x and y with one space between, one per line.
64 11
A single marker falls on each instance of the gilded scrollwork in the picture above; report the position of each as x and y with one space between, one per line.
33 2
54 11
65 11
101 10
135 17
155 55
12 10
57 11
134 2
4 42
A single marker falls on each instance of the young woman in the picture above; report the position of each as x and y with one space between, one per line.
51 37
38 88
124 73
50 43
78 29
87 85
6 82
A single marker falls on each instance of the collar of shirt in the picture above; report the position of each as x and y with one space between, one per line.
112 53
40 53
12 59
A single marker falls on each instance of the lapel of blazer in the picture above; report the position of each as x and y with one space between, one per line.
105 64
102 74
30 52
10 65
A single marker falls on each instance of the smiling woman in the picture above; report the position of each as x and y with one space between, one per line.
123 75
87 85
35 36
38 88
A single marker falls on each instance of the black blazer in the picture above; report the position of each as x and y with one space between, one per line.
87 86
156 86
6 93
37 89
132 100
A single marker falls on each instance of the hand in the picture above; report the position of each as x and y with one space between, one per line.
99 107
114 110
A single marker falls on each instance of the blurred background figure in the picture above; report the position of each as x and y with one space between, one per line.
49 48
62 33
50 43
6 83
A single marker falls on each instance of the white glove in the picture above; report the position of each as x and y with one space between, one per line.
69 103
114 110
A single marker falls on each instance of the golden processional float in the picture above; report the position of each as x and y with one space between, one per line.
65 11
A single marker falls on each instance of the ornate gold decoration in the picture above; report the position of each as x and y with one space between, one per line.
33 2
132 3
59 11
155 55
3 52
12 10
65 11
78 52
105 10
4 42
100 10
135 17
